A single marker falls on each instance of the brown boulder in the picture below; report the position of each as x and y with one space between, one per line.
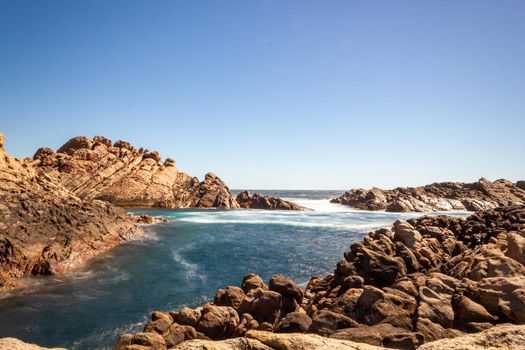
229 296
252 281
76 143
263 305
294 322
286 287
217 322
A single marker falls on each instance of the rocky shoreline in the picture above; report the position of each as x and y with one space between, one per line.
47 230
423 280
444 196
61 208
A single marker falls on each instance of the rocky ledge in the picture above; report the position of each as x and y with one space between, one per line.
97 168
422 280
480 195
258 201
45 229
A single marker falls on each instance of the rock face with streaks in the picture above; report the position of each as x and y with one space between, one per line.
480 195
97 168
44 228
259 201
423 280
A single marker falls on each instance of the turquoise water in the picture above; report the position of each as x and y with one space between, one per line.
182 263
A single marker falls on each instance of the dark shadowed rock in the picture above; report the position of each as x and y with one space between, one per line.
294 322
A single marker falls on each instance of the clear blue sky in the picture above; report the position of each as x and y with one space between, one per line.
275 94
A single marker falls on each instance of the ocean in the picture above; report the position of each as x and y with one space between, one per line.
183 263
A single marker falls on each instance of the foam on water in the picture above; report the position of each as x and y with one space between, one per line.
182 263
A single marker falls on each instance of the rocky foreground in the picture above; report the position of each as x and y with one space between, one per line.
422 280
480 195
45 229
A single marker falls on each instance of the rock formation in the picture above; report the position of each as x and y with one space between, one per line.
126 176
481 195
15 344
258 201
422 280
44 228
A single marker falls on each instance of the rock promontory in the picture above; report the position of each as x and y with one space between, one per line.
422 280
480 195
259 201
45 229
119 173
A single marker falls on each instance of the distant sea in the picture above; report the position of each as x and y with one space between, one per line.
182 263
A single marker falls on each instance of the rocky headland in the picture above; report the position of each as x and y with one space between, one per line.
259 201
45 229
480 195
119 173
422 280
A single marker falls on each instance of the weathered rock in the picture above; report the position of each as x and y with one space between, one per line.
125 176
481 195
45 229
516 246
252 281
257 340
378 306
218 322
143 340
286 287
382 334
325 322
467 310
258 201
16 344
229 296
186 316
294 322
263 305
500 337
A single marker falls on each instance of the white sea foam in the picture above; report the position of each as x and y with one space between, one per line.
191 270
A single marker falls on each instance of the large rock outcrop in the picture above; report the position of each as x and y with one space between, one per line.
422 280
44 228
480 195
126 176
259 201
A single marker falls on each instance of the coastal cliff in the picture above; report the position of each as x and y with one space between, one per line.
97 168
45 229
422 280
480 195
